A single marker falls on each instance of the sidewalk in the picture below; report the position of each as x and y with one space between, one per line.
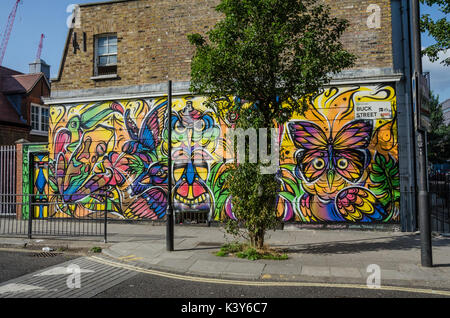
326 256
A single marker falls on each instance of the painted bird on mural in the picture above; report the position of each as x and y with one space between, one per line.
77 150
149 188
332 166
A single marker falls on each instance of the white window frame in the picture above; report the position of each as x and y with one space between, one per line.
40 131
97 55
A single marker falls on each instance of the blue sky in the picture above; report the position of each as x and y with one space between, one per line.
49 17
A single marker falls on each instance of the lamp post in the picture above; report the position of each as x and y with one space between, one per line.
169 216
422 197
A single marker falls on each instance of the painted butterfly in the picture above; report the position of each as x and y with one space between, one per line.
148 137
344 153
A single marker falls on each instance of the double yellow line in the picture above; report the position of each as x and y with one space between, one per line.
259 283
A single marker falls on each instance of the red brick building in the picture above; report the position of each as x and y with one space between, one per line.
22 111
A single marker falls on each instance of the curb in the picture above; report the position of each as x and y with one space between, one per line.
402 281
134 266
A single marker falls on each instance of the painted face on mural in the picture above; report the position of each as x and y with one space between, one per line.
196 134
330 163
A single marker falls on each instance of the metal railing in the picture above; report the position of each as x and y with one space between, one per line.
191 217
7 178
30 217
439 190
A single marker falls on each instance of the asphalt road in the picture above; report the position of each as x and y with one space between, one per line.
15 264
148 286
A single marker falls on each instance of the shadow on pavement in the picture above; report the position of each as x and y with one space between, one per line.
405 242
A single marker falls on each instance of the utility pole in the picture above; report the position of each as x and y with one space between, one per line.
169 217
422 198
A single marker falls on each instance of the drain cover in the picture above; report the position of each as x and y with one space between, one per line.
45 254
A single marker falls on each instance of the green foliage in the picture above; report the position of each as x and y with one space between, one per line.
231 248
439 30
253 193
253 197
439 136
244 251
271 54
385 178
96 249
270 51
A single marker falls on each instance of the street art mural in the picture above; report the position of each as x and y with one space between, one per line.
35 179
115 154
338 160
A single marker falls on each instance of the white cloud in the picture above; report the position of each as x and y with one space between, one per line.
440 76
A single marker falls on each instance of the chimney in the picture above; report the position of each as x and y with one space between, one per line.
39 66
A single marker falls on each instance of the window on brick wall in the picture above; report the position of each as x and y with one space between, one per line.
39 119
106 55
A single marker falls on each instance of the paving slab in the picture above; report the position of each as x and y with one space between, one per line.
322 271
247 269
282 269
350 272
208 267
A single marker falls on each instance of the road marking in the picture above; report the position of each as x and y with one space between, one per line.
61 271
265 284
18 288
52 282
133 259
126 257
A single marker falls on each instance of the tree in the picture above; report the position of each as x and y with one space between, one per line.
439 136
439 30
270 53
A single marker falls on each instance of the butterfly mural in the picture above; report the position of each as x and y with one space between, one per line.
334 165
331 159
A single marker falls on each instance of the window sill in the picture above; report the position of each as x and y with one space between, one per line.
104 77
39 133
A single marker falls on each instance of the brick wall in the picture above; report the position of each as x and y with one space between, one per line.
152 43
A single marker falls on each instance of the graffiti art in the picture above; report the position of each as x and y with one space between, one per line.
338 160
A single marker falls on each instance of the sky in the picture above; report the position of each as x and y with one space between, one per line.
35 17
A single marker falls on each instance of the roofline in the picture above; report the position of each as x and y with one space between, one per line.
101 3
63 58
32 87
42 75
10 69
69 33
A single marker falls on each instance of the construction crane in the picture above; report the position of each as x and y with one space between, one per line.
41 43
8 29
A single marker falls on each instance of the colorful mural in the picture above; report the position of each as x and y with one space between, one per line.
338 161
35 178
119 150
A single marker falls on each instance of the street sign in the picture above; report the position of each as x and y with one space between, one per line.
421 87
